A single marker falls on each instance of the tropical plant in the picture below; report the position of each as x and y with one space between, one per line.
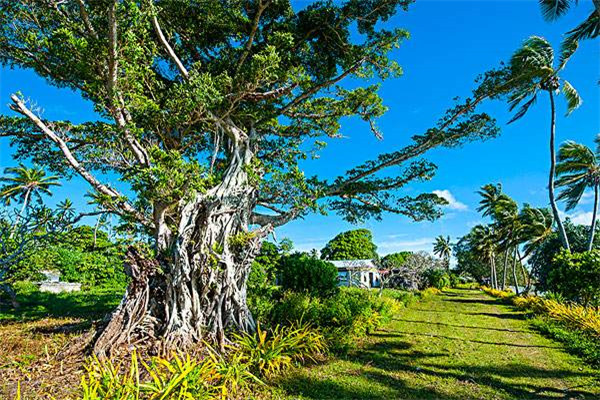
532 71
26 184
271 352
485 241
577 170
443 249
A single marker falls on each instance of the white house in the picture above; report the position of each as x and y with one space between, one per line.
360 273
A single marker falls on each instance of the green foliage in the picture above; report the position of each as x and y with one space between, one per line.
542 255
81 254
90 304
271 352
177 377
395 260
351 313
438 278
351 245
303 273
576 342
576 276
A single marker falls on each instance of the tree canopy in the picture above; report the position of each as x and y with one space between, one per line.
351 245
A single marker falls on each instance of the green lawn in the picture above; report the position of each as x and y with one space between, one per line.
459 345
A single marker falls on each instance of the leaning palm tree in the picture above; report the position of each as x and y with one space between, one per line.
533 71
535 226
490 194
443 249
577 170
588 29
485 242
23 184
506 215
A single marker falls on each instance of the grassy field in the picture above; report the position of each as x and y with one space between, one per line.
460 345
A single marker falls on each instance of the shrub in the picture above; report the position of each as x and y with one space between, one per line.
429 292
269 353
403 297
437 278
576 276
169 379
578 343
350 313
502 294
303 273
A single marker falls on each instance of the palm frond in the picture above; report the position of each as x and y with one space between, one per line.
588 29
567 49
553 9
523 110
573 98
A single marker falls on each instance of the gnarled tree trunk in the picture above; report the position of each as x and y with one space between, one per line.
199 291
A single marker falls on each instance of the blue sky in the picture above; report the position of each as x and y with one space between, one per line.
451 43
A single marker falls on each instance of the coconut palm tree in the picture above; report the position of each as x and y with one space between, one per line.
485 242
24 185
535 226
443 249
577 170
588 29
489 199
506 213
532 72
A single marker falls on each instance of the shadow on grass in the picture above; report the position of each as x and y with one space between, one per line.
404 334
471 301
394 369
89 305
485 328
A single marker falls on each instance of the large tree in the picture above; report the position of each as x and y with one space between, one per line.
356 244
534 71
206 109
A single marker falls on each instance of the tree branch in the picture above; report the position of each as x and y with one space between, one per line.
321 85
21 108
167 46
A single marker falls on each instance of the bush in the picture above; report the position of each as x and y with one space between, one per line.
437 278
269 353
303 273
578 343
350 313
576 276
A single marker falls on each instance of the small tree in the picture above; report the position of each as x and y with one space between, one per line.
351 245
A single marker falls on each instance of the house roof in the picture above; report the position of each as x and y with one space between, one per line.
354 264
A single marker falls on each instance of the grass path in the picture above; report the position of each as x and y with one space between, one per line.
459 345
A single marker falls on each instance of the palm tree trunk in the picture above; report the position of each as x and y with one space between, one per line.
526 275
561 229
514 272
21 213
593 225
505 268
494 275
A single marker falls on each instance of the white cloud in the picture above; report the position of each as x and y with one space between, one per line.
453 204
393 246
587 198
581 217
